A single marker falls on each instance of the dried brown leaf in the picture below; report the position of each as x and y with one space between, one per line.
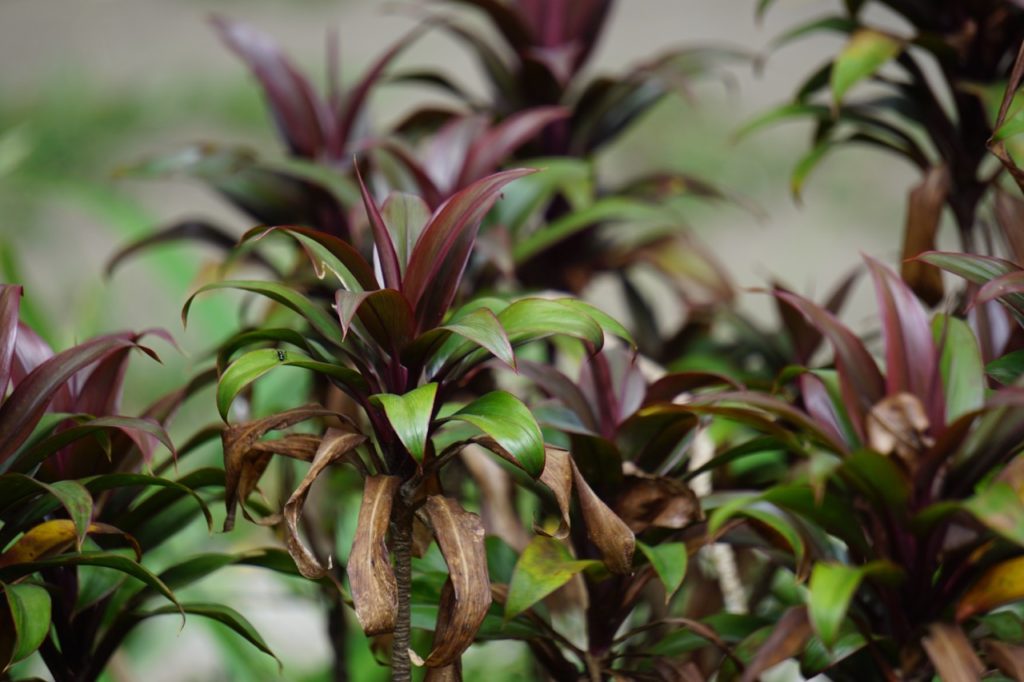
557 476
647 501
1009 658
336 445
497 507
951 653
924 212
467 593
898 425
786 641
244 465
370 573
607 531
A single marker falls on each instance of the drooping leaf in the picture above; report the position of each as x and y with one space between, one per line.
544 566
867 51
606 530
482 327
254 364
221 614
336 445
467 592
924 212
669 560
503 417
410 416
370 574
327 253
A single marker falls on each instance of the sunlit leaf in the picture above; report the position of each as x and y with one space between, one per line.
866 52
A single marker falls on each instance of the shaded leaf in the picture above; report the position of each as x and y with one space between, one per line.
544 566
669 560
608 532
787 640
10 303
29 607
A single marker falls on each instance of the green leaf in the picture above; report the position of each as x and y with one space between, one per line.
483 328
405 216
222 614
832 588
544 566
961 366
320 319
999 507
255 364
30 611
508 421
669 560
410 416
1007 369
98 484
866 52
531 319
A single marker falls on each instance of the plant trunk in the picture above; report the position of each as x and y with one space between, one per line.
337 629
401 665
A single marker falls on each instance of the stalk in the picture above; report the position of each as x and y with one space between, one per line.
401 666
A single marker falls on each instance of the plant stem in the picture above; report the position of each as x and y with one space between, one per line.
401 666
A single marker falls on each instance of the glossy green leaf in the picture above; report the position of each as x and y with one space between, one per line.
98 484
319 318
483 328
832 588
531 319
999 507
509 422
961 366
255 364
29 606
866 52
410 416
544 566
1007 369
669 561
222 614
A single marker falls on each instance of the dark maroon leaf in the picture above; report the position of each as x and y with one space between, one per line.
10 304
386 254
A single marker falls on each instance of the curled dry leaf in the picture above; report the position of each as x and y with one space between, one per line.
245 460
952 654
336 445
648 500
557 476
898 424
370 574
497 507
607 531
467 593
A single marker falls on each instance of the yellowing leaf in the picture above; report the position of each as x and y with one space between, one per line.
1001 584
866 52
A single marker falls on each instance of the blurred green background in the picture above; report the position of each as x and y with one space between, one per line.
90 86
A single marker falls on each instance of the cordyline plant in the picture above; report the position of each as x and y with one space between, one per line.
73 496
970 47
906 515
403 354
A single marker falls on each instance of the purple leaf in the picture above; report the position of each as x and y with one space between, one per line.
911 359
382 238
493 147
302 118
442 251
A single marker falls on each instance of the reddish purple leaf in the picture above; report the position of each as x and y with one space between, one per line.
911 359
382 238
440 256
449 150
862 384
10 304
819 404
301 116
26 405
493 147
385 314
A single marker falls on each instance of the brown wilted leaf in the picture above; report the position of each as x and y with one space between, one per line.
370 573
1008 658
557 476
497 508
898 424
467 592
951 653
607 531
336 445
924 212
786 641
648 500
244 465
